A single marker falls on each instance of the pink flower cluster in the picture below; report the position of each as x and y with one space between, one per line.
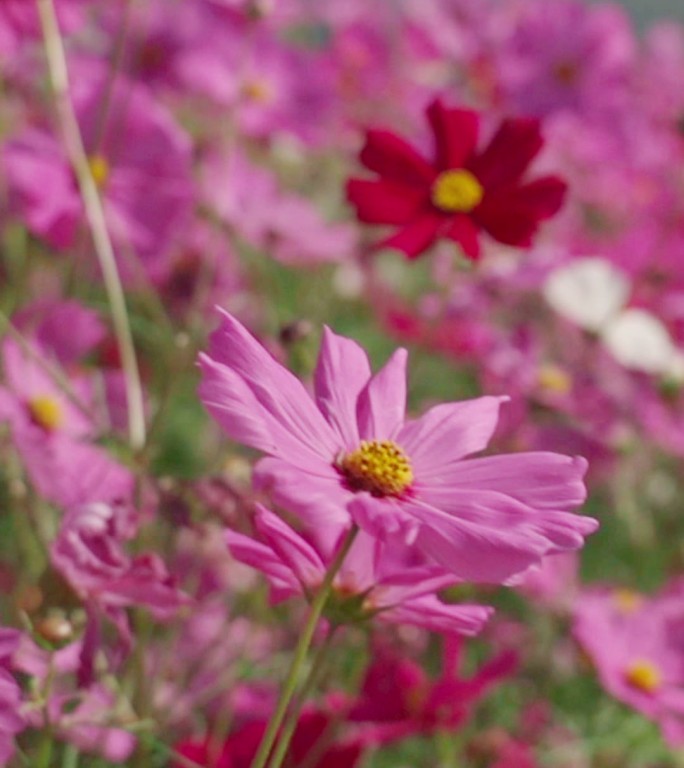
229 538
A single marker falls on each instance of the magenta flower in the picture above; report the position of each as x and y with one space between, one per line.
373 581
349 452
89 553
398 699
12 720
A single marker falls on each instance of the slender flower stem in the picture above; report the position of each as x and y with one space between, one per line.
312 678
94 211
290 684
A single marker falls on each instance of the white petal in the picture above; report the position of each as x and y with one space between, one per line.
640 341
588 292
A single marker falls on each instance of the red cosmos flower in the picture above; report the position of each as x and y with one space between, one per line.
462 190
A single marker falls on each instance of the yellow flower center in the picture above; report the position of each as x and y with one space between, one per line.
378 466
554 379
627 600
457 191
99 168
46 412
257 91
644 675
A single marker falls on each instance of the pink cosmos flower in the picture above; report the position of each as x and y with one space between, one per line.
90 555
140 159
374 580
636 644
187 51
67 329
50 429
566 55
33 401
349 452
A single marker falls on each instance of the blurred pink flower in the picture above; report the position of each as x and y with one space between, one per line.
140 159
89 553
349 453
33 402
69 330
288 227
87 716
637 646
374 581
554 582
566 55
12 720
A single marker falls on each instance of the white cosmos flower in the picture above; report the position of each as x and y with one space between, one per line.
592 293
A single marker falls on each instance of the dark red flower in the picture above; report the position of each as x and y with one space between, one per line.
315 743
462 190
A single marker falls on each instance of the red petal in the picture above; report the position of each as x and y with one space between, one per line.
512 215
545 195
463 231
416 237
455 134
395 159
508 154
385 202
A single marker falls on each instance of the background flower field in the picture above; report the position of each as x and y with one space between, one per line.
229 536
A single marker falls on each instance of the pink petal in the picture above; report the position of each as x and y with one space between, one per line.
541 479
488 536
480 553
233 404
382 404
319 500
446 433
279 392
430 613
291 548
342 371
262 558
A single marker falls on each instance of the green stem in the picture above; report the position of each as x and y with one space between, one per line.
70 757
95 215
45 753
312 678
290 684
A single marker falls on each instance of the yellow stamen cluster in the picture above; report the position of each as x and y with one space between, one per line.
644 675
378 466
457 191
46 412
627 600
99 168
257 91
554 379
